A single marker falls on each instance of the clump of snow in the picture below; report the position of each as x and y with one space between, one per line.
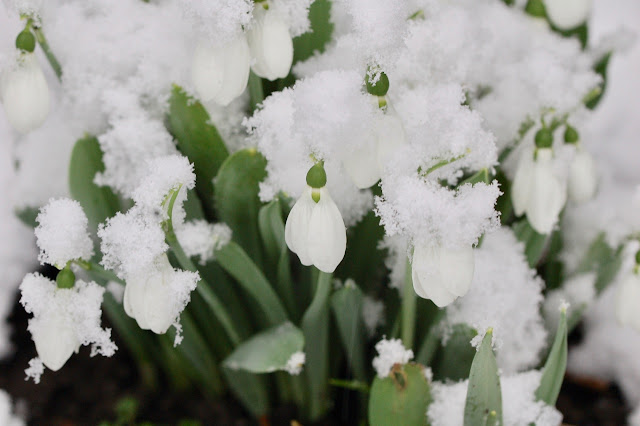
62 233
202 239
295 13
295 363
372 314
390 352
219 22
519 404
506 295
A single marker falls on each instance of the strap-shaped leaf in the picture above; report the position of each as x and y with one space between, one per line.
484 396
453 360
534 243
346 304
400 399
267 351
556 365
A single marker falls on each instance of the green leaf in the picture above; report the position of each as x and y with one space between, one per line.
98 202
346 304
603 259
453 361
306 44
236 197
601 68
267 351
250 389
27 215
534 243
199 140
556 365
483 405
400 399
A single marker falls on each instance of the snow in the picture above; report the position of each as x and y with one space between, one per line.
295 364
390 352
202 239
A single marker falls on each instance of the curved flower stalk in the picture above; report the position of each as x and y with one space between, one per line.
270 43
221 74
315 230
537 190
568 14
441 274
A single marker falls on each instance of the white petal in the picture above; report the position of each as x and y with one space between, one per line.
55 340
548 195
327 239
583 179
362 167
428 281
159 304
391 137
456 269
521 187
25 94
627 301
270 43
237 61
296 229
207 71
568 14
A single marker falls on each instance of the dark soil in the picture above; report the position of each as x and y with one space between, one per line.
87 391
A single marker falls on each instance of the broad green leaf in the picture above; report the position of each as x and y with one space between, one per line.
199 140
453 361
315 326
305 45
267 351
534 243
483 405
98 202
400 399
346 304
250 389
556 365
236 198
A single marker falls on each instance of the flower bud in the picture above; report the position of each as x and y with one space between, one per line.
568 14
270 43
55 339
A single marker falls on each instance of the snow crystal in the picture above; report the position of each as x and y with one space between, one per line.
390 352
295 363
505 294
62 233
202 239
7 416
35 370
372 314
397 248
519 405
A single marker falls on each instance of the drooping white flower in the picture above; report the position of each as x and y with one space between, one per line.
270 43
25 94
583 178
537 191
156 298
441 274
315 231
221 73
627 301
568 14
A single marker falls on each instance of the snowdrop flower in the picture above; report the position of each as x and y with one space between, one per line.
315 230
25 94
441 274
568 14
628 298
270 43
155 299
221 73
365 167
537 191
583 178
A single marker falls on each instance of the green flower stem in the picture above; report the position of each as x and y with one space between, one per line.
408 309
256 92
431 341
98 271
442 164
53 61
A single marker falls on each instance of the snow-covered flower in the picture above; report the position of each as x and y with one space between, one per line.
270 43
220 74
25 94
442 274
537 190
155 299
365 167
627 300
568 14
583 178
64 319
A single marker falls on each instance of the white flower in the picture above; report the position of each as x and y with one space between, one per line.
25 94
270 43
316 231
155 299
221 73
568 14
627 301
583 178
55 339
442 274
365 167
537 191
